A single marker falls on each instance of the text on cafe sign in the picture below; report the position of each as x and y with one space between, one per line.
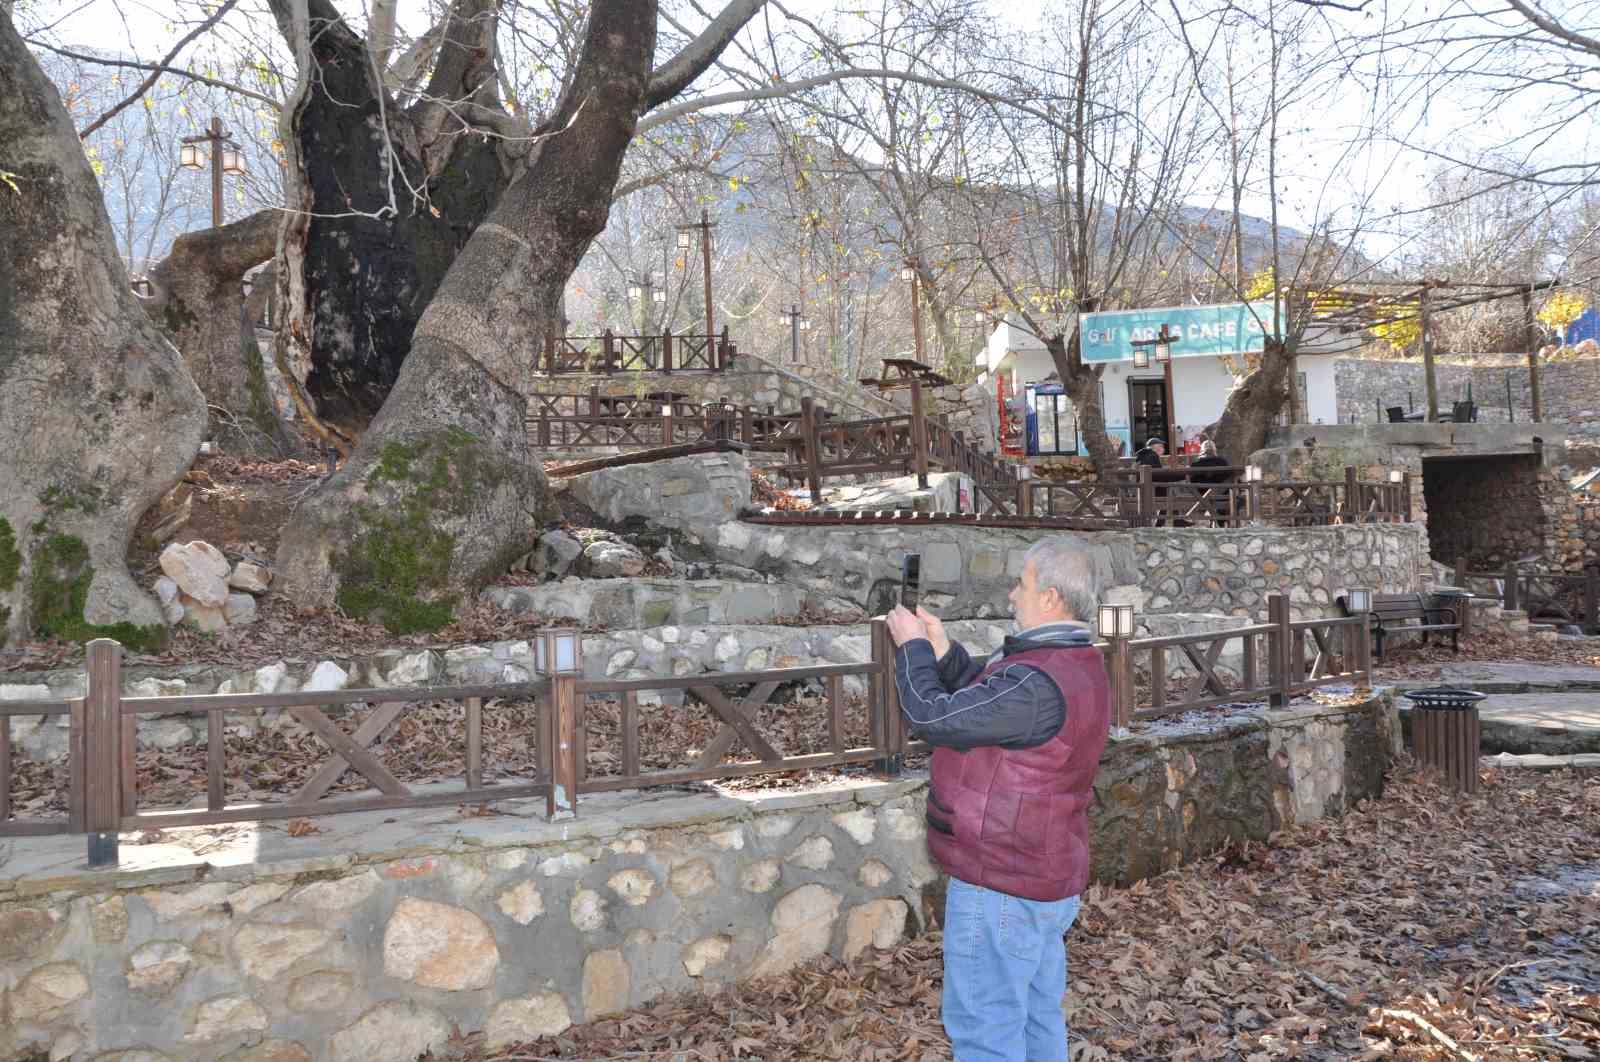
1232 328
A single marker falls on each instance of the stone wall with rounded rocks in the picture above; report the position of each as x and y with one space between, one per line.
379 936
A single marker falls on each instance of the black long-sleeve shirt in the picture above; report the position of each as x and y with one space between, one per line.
1017 706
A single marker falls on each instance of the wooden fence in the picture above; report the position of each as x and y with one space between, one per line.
911 443
611 353
628 422
1173 500
1559 597
102 794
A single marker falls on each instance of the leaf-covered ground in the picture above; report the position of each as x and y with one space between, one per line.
1420 926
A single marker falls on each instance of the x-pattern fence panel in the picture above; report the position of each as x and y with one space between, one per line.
612 352
550 725
1551 597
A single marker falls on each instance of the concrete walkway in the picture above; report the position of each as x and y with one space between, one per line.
1531 708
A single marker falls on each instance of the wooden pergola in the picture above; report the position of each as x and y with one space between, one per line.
1365 305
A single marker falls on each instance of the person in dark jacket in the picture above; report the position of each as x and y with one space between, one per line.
1209 459
1017 740
1216 501
1151 454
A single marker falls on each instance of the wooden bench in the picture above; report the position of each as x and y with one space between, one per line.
1391 613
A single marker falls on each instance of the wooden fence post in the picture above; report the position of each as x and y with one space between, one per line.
888 723
1122 681
608 352
1352 495
919 435
1591 595
594 400
666 351
1279 651
1405 496
1511 600
1147 497
1461 571
102 751
550 354
666 423
562 800
747 425
808 432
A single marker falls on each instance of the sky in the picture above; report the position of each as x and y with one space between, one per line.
1309 184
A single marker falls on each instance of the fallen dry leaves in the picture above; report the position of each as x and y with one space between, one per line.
1421 925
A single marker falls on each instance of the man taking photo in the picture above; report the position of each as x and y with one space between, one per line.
1017 741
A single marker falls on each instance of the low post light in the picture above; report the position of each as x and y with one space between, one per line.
558 651
1358 599
1115 621
1252 473
1395 475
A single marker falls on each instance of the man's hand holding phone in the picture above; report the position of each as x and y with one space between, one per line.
907 626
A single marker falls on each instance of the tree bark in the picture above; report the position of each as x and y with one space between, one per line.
442 491
98 416
199 301
386 199
1254 403
1082 383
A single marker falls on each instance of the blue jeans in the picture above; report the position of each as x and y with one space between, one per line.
1005 972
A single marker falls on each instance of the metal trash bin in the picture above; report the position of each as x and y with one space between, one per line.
1445 733
1454 597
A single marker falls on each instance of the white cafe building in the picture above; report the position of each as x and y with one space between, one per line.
1143 397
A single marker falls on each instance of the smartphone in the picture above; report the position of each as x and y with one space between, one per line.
910 580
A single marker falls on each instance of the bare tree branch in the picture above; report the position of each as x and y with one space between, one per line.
178 71
679 72
144 86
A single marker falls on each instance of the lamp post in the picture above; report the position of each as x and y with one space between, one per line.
225 158
1160 347
1115 624
798 323
685 238
909 272
644 290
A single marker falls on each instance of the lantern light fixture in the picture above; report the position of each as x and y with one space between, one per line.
1358 599
658 296
1115 621
189 157
684 239
233 161
805 324
1163 350
558 651
907 273
1252 473
1395 475
1141 358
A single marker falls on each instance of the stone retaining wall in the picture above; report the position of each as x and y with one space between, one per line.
384 934
1233 570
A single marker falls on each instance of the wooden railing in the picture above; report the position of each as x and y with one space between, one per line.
571 715
1172 500
626 422
610 352
906 444
1560 597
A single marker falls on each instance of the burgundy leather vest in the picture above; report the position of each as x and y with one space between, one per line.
1019 817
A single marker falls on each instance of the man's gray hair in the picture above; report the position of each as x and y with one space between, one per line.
1063 565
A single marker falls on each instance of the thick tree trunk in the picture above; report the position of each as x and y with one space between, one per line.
442 491
367 253
98 417
1254 403
1083 387
199 301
